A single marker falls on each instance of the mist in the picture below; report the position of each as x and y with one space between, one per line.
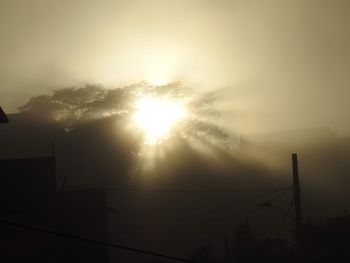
280 64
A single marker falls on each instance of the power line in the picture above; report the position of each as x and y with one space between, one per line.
136 250
191 190
286 214
211 213
141 251
267 202
278 196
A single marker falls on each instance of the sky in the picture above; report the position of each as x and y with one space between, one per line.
278 64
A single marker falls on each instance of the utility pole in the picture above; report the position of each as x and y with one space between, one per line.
297 201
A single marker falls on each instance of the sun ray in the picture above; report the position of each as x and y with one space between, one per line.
157 117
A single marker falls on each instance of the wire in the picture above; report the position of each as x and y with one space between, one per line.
276 197
263 204
284 218
274 190
191 190
136 250
207 213
282 190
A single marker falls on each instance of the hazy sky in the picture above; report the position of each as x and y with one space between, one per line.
283 64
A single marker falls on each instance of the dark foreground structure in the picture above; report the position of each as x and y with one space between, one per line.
46 213
28 196
324 241
3 117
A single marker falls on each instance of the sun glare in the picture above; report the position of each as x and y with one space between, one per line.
156 79
158 75
157 117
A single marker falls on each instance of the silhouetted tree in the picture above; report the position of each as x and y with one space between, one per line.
72 106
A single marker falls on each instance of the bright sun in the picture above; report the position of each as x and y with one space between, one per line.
157 116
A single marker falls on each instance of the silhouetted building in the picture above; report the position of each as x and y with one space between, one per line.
3 117
83 213
28 196
27 186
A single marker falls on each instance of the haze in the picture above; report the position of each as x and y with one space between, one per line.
279 64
